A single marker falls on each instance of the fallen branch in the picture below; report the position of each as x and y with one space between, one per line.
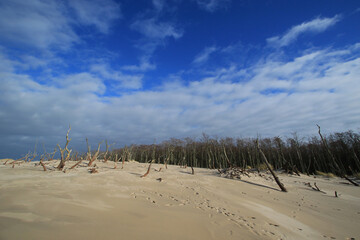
93 170
317 189
18 162
76 164
233 172
147 172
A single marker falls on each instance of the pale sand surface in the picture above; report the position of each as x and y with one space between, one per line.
118 204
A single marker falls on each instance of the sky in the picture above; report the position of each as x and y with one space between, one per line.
144 71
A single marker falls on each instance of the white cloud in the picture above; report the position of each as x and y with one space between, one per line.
120 80
204 55
99 13
318 87
48 24
212 5
39 24
316 25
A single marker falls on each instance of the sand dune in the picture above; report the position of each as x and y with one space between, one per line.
118 204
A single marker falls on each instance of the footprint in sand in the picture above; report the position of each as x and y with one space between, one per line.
273 224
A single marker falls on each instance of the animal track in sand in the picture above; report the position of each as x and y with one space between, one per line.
329 237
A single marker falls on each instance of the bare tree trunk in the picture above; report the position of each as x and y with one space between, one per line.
270 169
340 171
63 160
93 159
42 164
107 150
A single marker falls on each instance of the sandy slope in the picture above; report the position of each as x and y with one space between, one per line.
118 204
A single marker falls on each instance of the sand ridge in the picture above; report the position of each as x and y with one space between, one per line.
119 204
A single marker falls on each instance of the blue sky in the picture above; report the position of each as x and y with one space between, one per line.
144 71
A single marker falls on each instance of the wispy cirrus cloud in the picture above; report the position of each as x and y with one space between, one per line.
158 4
155 33
316 25
213 5
144 65
154 29
203 56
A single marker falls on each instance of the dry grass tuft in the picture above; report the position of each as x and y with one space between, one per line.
328 175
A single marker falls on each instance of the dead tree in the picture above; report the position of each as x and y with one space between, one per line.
42 164
88 156
34 155
166 161
107 150
53 154
270 169
226 157
116 160
93 159
62 150
337 169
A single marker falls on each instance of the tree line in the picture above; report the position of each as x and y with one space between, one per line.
336 153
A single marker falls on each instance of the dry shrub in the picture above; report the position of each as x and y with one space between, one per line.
328 175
